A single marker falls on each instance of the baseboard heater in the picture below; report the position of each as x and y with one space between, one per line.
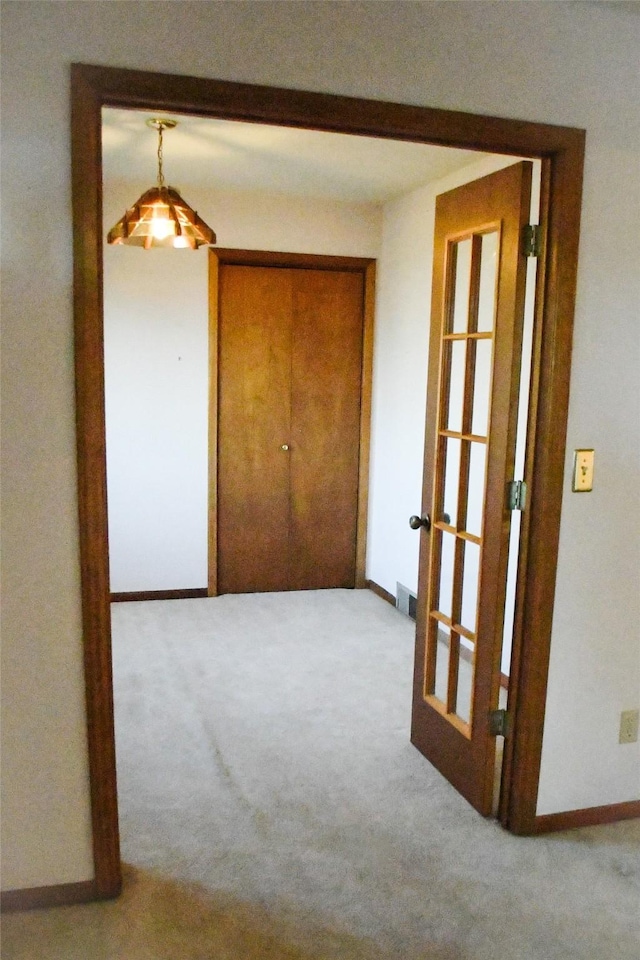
406 601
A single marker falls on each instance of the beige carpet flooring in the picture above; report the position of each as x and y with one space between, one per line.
272 807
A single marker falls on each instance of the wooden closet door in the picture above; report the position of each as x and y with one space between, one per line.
255 316
326 364
290 370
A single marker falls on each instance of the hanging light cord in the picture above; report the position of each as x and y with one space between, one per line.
160 173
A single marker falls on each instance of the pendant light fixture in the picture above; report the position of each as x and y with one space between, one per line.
160 217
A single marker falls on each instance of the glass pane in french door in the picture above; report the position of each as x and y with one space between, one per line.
447 563
462 252
466 651
470 583
488 281
451 480
464 417
442 649
475 488
481 385
458 350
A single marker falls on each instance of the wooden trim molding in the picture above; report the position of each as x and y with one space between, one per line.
366 393
159 595
86 181
380 591
562 153
212 496
61 895
587 817
561 198
311 261
300 261
508 813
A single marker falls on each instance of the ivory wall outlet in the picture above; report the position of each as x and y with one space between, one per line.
582 471
629 726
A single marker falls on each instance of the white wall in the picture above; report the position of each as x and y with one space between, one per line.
156 371
583 73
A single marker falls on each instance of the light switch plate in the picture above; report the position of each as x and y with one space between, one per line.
582 471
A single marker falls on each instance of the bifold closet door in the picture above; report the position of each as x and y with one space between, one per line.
325 426
254 384
290 358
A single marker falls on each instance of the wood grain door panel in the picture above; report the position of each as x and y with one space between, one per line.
290 374
254 421
325 424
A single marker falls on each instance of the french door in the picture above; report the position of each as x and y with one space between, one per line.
472 400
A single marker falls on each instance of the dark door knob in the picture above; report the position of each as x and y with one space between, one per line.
416 522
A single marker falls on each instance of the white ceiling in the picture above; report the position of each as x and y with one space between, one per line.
231 155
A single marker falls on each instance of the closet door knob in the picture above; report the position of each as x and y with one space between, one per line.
285 446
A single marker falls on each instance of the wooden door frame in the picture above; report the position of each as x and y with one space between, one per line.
364 266
561 150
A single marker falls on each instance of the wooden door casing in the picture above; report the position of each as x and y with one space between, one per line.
297 515
561 150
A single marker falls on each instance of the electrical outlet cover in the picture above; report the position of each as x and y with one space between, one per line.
629 722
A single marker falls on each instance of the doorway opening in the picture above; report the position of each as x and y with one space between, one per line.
561 153
289 521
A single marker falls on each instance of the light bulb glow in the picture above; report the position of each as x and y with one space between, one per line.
162 226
